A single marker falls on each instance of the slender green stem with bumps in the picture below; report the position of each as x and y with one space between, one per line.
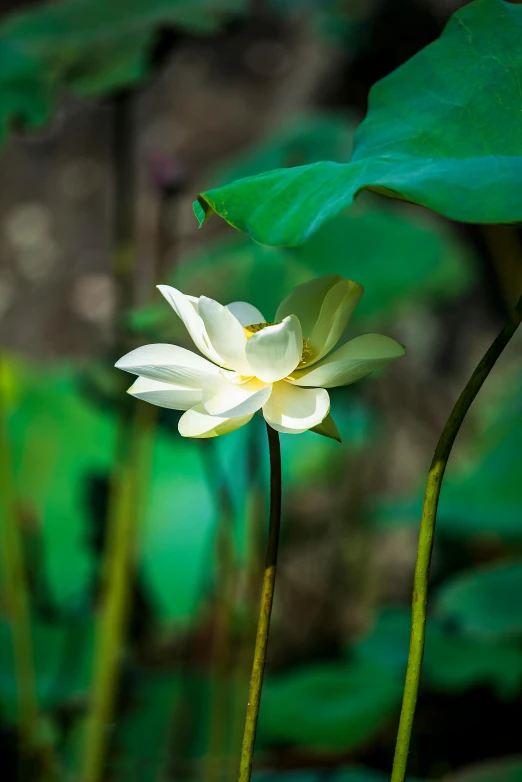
427 530
267 599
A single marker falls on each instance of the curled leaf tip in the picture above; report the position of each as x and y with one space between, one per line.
202 210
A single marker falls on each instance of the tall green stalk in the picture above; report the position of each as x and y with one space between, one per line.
427 531
267 599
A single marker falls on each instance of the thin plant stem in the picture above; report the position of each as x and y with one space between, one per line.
425 545
267 599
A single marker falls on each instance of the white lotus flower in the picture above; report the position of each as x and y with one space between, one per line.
282 368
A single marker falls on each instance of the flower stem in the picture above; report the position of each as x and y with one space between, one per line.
425 545
267 598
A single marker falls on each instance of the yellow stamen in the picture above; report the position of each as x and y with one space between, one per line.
307 352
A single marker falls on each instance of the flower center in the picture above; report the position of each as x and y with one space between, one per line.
255 327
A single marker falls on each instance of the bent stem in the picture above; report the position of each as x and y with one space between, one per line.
267 598
425 546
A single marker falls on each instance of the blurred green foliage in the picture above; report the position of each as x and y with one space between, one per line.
329 707
484 602
453 660
87 48
338 23
482 493
48 417
63 656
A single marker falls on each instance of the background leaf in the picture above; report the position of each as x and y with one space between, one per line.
328 707
49 418
62 654
453 661
485 602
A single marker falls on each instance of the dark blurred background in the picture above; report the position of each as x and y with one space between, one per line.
113 116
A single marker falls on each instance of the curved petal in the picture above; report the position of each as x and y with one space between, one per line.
350 362
197 423
169 364
226 334
165 394
336 310
186 308
294 410
222 397
246 313
275 351
305 301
